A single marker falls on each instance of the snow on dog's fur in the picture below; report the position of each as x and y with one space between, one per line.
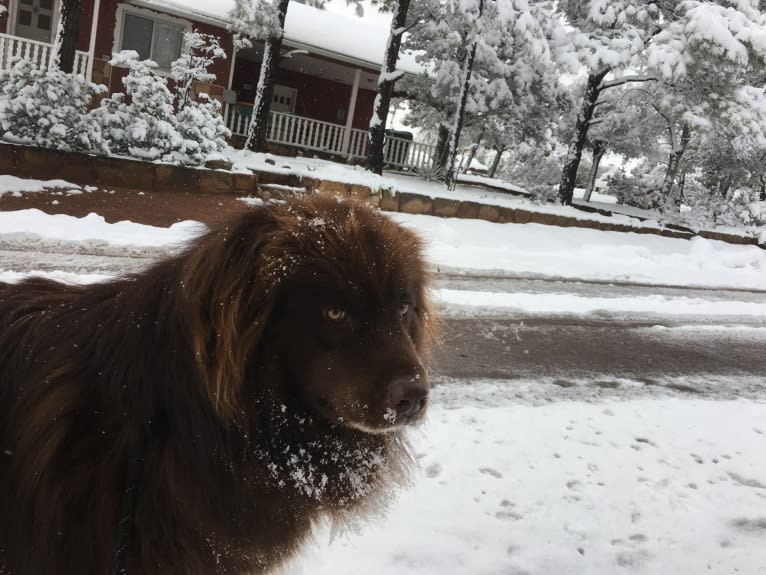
265 376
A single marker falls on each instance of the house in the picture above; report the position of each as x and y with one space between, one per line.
325 85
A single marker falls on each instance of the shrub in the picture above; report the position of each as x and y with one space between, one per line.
48 108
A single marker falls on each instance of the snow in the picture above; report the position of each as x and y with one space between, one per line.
492 303
33 224
476 246
570 487
495 182
16 186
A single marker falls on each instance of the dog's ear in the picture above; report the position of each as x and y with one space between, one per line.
229 297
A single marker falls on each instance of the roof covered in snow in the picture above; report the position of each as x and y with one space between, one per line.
322 32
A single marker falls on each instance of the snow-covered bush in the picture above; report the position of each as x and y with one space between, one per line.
48 108
202 127
432 172
148 121
199 121
703 209
635 189
543 194
529 164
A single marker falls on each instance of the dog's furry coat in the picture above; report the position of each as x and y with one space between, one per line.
255 414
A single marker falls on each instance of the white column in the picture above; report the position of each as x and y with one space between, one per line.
228 111
351 110
92 43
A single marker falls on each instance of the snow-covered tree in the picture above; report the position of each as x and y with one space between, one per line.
491 67
704 57
608 40
386 80
199 53
698 51
198 120
623 124
47 108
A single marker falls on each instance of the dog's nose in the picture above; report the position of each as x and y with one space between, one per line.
408 397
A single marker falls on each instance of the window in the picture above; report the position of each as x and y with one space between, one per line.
152 39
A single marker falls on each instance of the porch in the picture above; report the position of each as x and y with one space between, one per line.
336 140
37 52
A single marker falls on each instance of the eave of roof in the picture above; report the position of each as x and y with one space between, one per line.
306 28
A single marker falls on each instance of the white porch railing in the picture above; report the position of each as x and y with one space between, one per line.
39 53
399 153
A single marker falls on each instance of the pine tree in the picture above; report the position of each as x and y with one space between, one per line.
609 39
491 89
693 50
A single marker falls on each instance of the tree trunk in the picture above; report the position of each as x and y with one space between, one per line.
495 161
599 148
68 34
582 124
762 196
460 111
725 184
442 148
388 76
674 161
682 188
472 152
259 122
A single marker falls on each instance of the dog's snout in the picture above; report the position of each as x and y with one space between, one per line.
408 396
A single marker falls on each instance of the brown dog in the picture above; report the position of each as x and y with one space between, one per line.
202 415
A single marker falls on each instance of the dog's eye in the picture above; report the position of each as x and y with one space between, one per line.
403 309
336 314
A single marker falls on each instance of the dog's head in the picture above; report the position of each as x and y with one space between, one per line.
330 294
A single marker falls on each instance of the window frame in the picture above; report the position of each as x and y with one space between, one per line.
123 9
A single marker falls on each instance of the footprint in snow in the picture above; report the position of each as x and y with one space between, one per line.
746 481
755 526
433 470
633 559
489 471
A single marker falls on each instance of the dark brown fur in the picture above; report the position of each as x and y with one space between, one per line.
259 415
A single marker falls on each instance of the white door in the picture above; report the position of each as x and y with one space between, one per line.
34 20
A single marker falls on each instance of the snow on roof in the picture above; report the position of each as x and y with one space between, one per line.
328 33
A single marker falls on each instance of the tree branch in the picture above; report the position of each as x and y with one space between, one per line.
625 80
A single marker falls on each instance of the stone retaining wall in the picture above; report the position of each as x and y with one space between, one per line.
87 169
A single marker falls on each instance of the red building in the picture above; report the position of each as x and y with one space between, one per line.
325 85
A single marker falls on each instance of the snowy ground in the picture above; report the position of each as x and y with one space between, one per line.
527 476
660 486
